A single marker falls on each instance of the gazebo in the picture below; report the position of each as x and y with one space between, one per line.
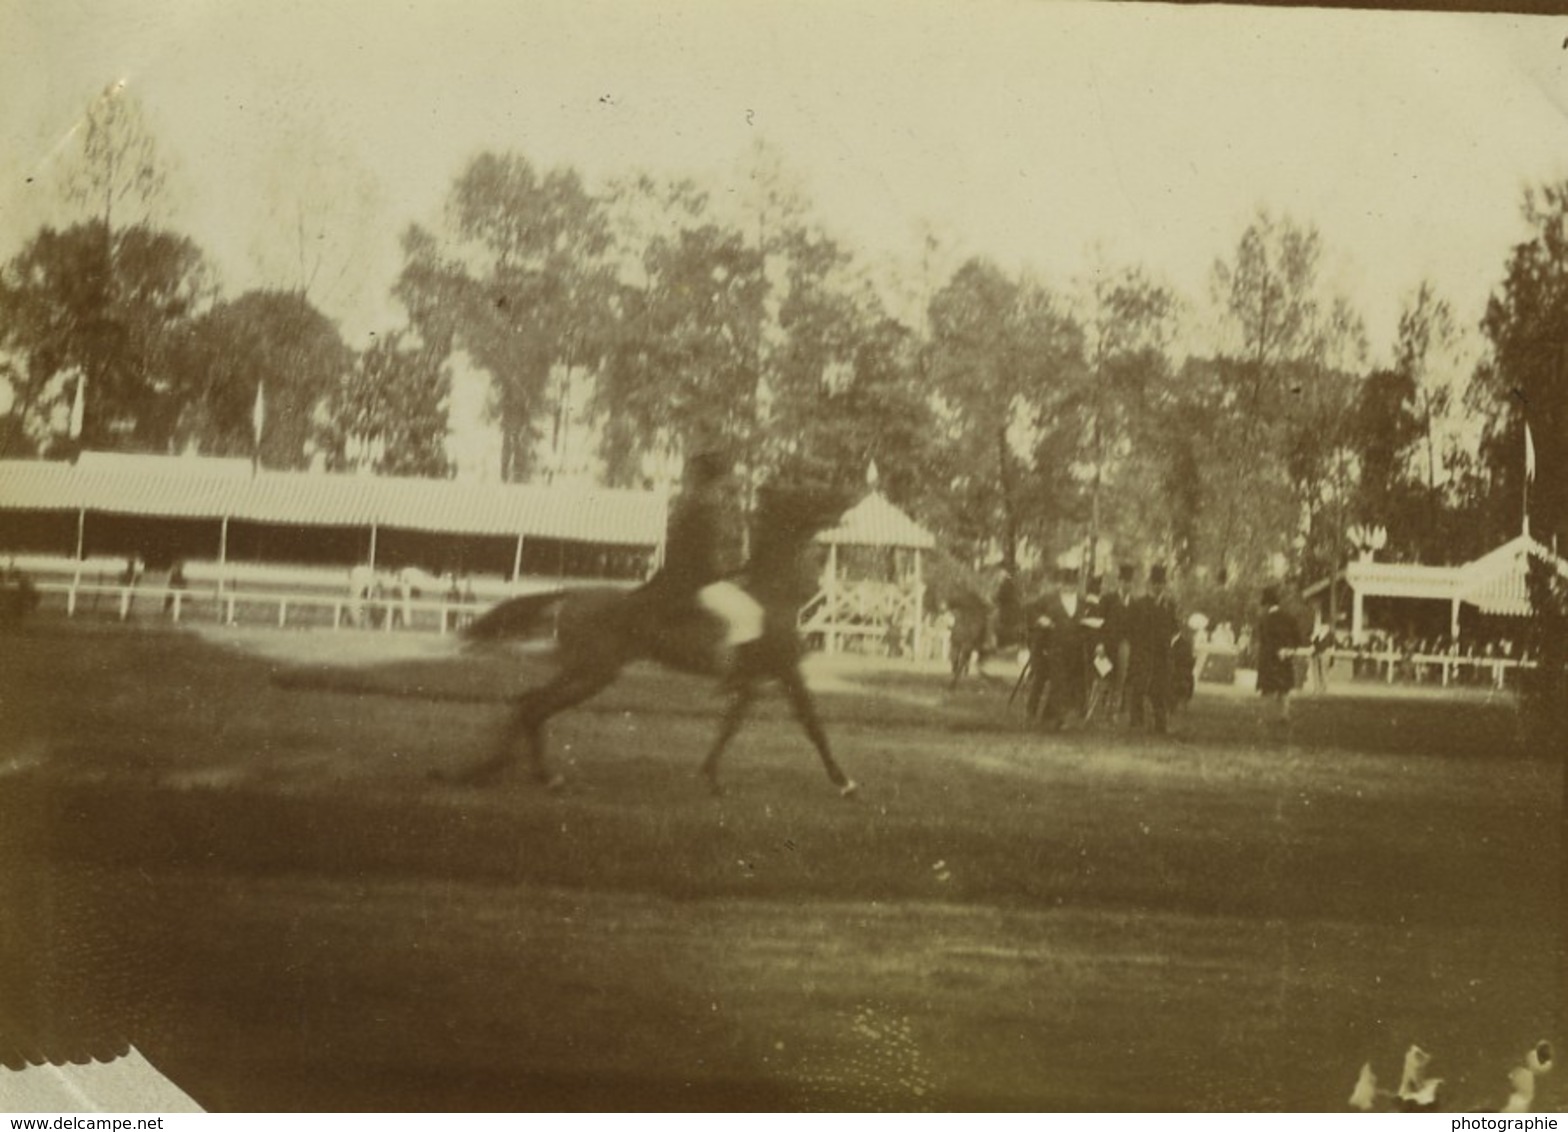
873 583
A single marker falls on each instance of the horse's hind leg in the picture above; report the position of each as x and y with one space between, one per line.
806 711
525 730
741 695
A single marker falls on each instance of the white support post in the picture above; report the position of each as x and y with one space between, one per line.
1357 616
283 612
920 608
517 560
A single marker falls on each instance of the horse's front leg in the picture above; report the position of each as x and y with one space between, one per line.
805 709
742 692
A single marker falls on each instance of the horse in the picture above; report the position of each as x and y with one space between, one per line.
598 632
967 642
974 640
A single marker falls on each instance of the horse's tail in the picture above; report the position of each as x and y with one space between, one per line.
515 617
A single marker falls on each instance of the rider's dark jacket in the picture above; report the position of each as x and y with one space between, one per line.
691 545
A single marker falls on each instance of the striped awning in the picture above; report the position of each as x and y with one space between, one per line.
1498 583
876 522
180 489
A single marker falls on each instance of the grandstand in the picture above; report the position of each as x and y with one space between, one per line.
184 537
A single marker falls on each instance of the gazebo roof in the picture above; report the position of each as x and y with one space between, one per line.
876 522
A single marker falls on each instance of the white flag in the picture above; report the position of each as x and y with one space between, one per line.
258 415
79 407
1529 453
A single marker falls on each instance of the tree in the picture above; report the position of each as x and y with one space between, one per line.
1427 340
1001 354
520 279
1128 322
80 305
274 342
1290 387
682 373
1523 379
1387 431
119 165
388 413
877 414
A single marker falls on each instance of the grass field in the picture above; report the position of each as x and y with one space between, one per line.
1217 920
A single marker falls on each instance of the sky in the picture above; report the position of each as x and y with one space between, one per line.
1041 135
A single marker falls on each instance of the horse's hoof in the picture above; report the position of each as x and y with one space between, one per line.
850 789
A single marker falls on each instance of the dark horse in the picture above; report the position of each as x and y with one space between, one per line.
598 632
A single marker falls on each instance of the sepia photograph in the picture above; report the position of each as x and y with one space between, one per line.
857 556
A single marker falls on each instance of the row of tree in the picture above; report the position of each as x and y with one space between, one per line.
1015 419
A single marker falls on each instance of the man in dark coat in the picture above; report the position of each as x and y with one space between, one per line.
1042 631
1152 628
692 577
1118 646
1278 638
1067 660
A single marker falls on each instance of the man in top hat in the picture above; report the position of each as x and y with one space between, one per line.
1152 628
1114 608
1067 660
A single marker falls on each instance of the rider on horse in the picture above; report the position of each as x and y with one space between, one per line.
693 572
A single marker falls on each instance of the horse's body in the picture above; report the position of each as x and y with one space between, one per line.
598 632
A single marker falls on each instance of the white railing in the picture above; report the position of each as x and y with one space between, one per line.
225 606
1391 661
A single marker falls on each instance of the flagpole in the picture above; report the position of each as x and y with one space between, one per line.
258 418
1529 477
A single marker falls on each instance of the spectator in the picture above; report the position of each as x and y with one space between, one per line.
1153 628
360 580
1322 654
18 596
1278 638
176 590
1118 647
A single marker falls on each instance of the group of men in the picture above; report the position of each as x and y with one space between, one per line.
1105 655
